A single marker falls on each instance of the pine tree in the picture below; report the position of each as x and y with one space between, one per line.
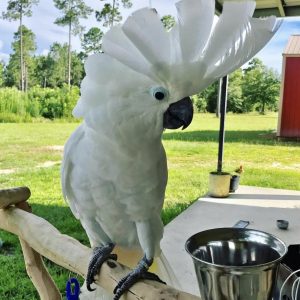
16 10
110 13
91 41
73 11
13 76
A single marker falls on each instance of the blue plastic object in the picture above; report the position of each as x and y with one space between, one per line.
72 289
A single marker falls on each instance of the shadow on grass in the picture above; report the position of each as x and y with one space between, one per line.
62 218
231 136
19 286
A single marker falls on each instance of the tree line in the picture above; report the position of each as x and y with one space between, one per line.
254 88
61 65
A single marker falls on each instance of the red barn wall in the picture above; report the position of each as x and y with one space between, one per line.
290 109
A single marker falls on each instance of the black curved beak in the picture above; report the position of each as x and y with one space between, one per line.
179 114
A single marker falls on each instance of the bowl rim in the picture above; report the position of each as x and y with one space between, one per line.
277 260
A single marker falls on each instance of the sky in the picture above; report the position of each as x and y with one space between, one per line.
42 24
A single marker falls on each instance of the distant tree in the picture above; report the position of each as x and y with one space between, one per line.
254 63
110 13
261 86
77 69
13 76
58 60
211 96
2 68
91 41
206 100
51 70
235 100
73 11
16 10
43 70
168 21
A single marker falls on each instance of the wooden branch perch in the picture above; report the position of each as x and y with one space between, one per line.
67 252
34 264
14 196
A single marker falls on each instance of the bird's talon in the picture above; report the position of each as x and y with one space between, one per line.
152 276
89 288
140 272
113 257
100 255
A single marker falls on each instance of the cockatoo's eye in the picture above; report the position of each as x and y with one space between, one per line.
159 93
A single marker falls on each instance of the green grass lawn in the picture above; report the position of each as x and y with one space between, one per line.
28 157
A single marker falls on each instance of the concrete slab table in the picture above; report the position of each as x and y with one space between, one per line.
261 206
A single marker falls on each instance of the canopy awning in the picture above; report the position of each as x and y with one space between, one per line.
278 8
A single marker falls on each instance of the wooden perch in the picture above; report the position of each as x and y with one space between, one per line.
36 269
34 264
72 255
14 196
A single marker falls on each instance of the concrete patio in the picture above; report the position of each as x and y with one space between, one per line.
260 206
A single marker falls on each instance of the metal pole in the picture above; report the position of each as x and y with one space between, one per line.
223 105
219 98
150 3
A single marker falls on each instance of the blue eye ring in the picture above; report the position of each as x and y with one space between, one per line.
159 93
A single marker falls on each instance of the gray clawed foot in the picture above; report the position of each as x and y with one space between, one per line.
100 255
139 273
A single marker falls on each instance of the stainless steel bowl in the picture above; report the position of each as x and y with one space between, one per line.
235 263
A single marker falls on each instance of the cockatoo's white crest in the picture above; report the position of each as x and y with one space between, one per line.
184 60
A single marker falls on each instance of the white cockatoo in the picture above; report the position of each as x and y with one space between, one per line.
114 171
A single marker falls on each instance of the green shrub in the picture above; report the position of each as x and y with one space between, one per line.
37 102
199 103
13 101
13 118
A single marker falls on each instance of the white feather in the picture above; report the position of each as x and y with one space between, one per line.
147 33
195 19
232 21
117 45
251 39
